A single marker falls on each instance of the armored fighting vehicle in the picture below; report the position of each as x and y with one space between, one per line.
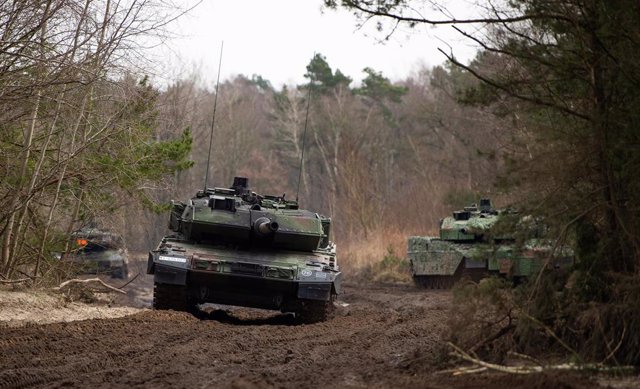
233 246
99 251
470 245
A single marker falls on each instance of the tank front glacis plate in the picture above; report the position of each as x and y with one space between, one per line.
432 256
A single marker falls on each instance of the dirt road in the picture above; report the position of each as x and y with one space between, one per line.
387 336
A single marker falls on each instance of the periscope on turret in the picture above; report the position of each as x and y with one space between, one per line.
234 246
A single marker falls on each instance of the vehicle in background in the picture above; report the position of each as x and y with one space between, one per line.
97 251
474 243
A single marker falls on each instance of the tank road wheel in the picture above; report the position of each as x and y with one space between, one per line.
313 311
421 281
427 282
174 297
449 282
475 275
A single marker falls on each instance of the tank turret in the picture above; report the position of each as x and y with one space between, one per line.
236 215
470 224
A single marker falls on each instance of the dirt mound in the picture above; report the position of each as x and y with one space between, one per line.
42 307
19 308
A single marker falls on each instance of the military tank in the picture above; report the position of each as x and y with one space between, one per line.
471 246
236 247
98 251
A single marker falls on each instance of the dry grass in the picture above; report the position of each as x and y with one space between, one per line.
379 257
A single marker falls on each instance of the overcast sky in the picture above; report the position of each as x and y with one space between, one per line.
276 39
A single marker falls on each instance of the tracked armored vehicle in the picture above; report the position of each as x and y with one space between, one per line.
98 251
471 246
233 246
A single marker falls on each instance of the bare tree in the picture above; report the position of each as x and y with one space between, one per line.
64 96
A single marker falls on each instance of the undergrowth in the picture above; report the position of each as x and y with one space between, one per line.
380 258
392 268
548 319
482 317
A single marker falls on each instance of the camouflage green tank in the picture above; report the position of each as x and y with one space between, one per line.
98 251
233 246
470 245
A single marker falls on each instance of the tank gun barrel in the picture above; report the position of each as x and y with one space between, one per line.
265 227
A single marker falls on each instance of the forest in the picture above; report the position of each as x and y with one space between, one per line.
543 119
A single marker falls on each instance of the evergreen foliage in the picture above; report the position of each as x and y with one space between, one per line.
565 74
322 76
379 88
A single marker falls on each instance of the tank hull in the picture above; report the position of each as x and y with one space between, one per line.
258 278
438 264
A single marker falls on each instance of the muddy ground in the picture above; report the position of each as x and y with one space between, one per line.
381 336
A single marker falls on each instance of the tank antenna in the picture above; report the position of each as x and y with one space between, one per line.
213 119
304 135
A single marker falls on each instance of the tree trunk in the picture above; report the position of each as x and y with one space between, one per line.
9 231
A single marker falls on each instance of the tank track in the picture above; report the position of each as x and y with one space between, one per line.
171 297
447 282
435 282
311 311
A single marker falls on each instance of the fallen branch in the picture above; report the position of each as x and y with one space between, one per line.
480 365
89 280
524 357
458 352
130 281
21 280
503 331
551 333
463 370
